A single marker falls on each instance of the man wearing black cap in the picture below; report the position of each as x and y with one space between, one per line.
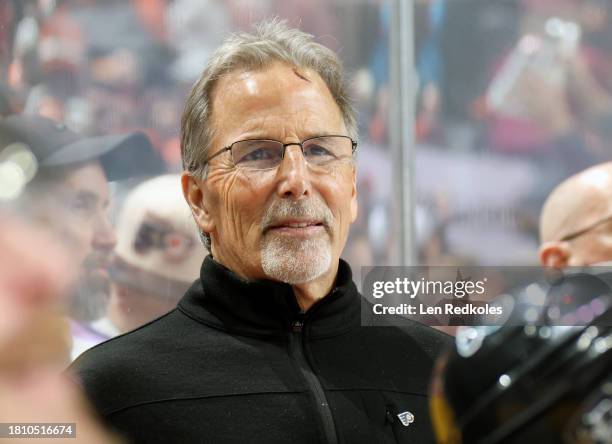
68 191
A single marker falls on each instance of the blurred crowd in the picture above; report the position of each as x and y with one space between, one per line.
121 65
125 65
104 66
514 97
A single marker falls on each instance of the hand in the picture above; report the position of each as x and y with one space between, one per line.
35 275
45 397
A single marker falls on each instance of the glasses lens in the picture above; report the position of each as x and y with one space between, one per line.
322 150
257 154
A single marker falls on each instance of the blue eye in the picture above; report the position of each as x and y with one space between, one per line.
257 154
317 151
261 155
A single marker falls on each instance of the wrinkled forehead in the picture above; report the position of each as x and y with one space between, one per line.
241 95
274 75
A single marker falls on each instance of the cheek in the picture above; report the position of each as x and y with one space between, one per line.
338 192
240 203
79 237
81 234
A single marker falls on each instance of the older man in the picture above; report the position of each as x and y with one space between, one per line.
267 346
576 220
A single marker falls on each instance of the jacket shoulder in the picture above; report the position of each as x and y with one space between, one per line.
122 365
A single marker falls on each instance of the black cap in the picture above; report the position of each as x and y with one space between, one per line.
122 155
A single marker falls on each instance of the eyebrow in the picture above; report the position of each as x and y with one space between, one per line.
320 134
90 197
308 135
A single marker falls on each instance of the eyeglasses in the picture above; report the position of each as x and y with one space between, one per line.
585 230
264 154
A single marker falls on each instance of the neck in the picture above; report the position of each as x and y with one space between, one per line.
308 293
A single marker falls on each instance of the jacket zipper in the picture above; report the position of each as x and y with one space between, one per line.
323 409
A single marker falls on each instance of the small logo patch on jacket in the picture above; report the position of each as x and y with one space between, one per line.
407 418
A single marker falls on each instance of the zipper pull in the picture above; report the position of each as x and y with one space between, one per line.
296 327
298 323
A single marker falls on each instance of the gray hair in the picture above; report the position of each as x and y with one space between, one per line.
271 41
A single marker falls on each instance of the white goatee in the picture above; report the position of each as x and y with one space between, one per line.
294 260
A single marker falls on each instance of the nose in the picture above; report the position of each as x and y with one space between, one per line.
104 238
293 174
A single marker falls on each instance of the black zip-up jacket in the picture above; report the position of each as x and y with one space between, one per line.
237 362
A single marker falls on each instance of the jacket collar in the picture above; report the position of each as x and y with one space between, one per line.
224 301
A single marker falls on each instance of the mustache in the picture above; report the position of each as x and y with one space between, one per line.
280 210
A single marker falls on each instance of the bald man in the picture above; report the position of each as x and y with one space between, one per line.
576 220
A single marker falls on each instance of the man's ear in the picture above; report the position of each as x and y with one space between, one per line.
354 204
554 254
193 190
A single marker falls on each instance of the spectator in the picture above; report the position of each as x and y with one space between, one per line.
70 194
157 255
576 221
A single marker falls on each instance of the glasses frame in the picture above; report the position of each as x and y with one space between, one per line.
586 229
285 145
